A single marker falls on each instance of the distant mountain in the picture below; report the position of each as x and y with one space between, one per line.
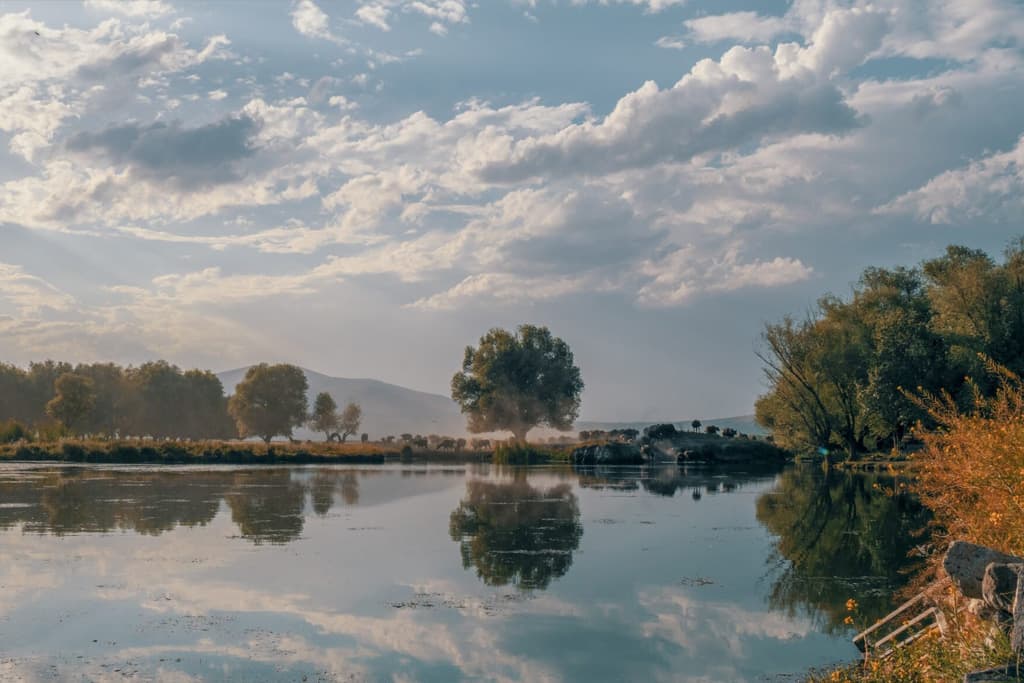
741 423
388 409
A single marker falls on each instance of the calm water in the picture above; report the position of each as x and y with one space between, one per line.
440 573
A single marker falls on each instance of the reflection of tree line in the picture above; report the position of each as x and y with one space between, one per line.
268 505
840 536
667 480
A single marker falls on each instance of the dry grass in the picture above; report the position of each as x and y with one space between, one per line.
931 659
972 467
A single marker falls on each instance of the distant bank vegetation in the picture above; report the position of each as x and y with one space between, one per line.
513 382
845 378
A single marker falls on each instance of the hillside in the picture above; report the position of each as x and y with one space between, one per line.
387 408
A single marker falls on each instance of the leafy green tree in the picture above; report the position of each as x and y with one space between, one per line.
13 406
348 421
39 387
711 429
907 354
979 306
695 425
270 401
516 382
795 408
840 378
325 415
206 413
158 400
109 383
842 357
74 399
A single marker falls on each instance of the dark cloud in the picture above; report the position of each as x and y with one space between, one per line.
592 231
186 156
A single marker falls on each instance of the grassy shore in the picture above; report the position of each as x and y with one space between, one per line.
149 451
226 452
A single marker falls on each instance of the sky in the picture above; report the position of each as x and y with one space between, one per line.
365 187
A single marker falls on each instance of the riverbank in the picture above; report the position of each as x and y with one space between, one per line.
969 475
148 451
227 452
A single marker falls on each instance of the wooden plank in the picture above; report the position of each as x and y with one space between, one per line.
916 620
938 585
892 615
908 641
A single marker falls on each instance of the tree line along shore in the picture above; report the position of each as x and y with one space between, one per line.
512 382
846 380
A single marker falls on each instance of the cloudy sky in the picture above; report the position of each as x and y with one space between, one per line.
365 186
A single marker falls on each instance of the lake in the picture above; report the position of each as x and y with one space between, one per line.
442 573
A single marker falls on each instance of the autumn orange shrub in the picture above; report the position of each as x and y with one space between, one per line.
971 475
972 467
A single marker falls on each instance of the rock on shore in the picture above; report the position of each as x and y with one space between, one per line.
608 454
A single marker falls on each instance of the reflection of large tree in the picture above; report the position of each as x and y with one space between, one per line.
840 536
515 533
268 508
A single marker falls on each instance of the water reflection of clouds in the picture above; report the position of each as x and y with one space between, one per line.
326 603
473 642
402 633
702 625
160 584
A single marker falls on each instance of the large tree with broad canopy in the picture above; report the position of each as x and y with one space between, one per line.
516 382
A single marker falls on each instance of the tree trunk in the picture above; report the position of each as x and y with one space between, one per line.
851 449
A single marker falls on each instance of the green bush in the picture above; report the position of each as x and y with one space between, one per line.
517 453
73 452
13 431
